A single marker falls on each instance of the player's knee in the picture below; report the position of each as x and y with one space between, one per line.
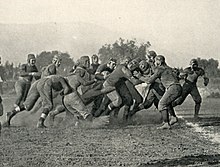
49 107
162 106
117 102
177 102
28 107
128 101
198 101
139 100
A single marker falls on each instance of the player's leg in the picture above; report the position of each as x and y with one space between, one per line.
75 105
29 103
197 99
58 110
1 111
171 94
45 91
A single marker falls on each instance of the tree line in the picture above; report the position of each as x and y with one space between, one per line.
120 49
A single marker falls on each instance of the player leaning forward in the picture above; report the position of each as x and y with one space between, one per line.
44 88
170 80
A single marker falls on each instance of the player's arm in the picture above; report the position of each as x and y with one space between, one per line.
156 75
23 71
130 77
98 73
99 76
36 74
66 88
205 78
184 74
52 70
83 81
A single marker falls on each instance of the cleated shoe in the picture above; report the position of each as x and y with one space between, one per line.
51 118
89 117
9 116
165 126
196 117
173 120
77 124
41 125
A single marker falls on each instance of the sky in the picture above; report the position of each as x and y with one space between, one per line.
184 28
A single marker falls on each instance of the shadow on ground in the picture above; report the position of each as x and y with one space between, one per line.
193 160
206 121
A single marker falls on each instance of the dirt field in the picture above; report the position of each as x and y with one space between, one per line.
23 145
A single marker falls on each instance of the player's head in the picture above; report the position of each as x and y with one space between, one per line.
126 60
31 59
95 59
159 60
144 66
193 63
112 63
56 60
133 64
151 55
84 62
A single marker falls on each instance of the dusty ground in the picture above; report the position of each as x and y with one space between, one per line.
136 145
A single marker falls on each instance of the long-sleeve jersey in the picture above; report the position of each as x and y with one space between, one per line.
100 69
25 71
121 72
79 78
49 70
93 68
165 74
57 83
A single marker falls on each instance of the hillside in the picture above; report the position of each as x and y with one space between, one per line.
17 40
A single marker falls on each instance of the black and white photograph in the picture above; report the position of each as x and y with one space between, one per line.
109 83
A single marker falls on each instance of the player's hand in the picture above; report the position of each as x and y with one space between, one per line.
61 93
33 73
137 74
206 81
144 84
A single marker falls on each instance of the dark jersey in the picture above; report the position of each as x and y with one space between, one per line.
25 71
121 72
80 77
166 75
58 83
100 69
193 74
93 68
49 70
